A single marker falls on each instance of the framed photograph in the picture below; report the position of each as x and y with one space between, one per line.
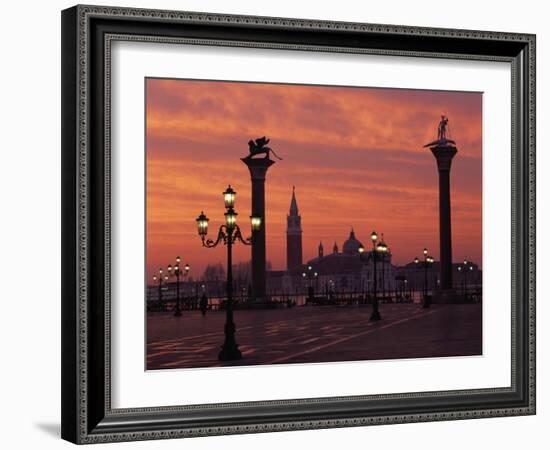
281 224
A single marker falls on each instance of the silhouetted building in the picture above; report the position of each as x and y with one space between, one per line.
293 236
340 271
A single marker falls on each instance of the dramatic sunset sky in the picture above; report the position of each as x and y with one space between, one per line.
354 154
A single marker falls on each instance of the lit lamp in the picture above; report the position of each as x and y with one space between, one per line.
202 224
229 197
230 218
255 222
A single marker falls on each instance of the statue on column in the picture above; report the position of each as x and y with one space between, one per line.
442 130
259 146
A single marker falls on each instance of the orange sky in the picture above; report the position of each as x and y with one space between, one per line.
354 154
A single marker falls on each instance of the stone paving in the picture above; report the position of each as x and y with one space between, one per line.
315 334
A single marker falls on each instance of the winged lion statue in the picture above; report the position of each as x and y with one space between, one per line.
259 147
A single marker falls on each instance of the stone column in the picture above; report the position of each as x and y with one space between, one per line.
444 154
258 170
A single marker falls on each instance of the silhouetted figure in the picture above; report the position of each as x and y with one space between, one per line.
442 128
203 304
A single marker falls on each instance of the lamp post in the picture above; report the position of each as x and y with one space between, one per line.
467 267
382 249
428 260
459 269
331 289
177 273
229 234
375 312
310 275
160 279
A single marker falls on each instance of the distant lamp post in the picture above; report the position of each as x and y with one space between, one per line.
373 237
428 261
465 268
160 279
310 275
382 249
229 234
331 288
177 272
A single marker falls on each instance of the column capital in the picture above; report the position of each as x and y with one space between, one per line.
257 166
444 155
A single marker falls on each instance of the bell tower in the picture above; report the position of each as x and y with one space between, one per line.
293 235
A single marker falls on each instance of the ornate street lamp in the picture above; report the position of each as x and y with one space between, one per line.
177 272
373 237
228 234
428 261
160 280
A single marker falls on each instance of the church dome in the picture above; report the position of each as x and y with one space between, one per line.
351 246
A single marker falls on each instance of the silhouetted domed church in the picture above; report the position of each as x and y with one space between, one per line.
352 245
342 270
345 265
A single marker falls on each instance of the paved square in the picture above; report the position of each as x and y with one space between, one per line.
315 334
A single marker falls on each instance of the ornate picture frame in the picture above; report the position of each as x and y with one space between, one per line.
87 35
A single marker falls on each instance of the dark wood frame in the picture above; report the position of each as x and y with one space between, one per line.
87 416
